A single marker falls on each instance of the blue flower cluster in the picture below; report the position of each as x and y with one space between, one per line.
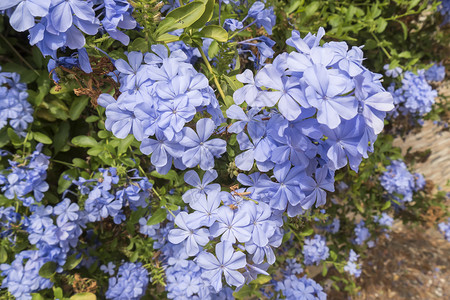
25 180
315 250
293 288
54 24
384 220
444 9
21 277
55 231
362 233
261 16
435 73
130 282
107 198
159 97
14 107
444 227
352 267
397 180
394 73
415 96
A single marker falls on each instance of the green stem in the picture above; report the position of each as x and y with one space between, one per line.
63 162
208 65
378 42
18 54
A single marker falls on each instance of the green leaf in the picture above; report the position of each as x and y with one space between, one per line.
358 206
58 292
77 107
42 138
307 232
3 255
80 163
36 296
84 296
213 49
214 32
413 4
233 82
312 8
262 279
207 14
4 138
15 139
386 205
95 151
167 38
72 262
139 44
381 25
324 270
181 17
124 144
65 184
48 269
404 28
84 141
91 119
62 136
159 216
333 255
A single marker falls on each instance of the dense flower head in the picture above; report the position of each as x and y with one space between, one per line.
21 277
55 24
415 96
130 282
384 220
15 110
294 288
352 267
435 73
106 197
315 250
398 181
159 98
362 233
26 180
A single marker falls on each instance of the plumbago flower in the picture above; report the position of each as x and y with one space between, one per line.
295 152
168 97
55 24
226 262
415 96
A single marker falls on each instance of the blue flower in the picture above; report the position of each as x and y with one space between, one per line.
66 211
189 232
315 250
315 189
201 188
200 150
226 262
435 73
294 288
25 12
362 233
232 225
444 227
287 188
130 282
352 267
